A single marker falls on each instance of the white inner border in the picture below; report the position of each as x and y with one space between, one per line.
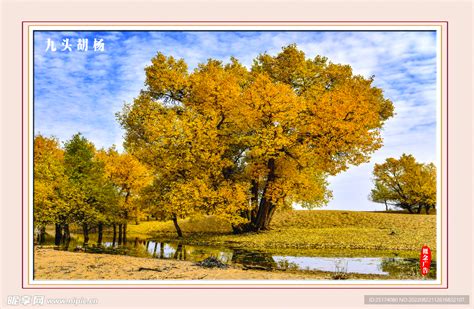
304 26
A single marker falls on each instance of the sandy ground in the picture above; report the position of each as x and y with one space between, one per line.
62 265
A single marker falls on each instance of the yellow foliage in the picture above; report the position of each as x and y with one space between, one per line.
129 176
228 141
48 173
405 183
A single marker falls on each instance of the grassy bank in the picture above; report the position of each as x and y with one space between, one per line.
311 231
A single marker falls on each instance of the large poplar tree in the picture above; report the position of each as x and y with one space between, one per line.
239 143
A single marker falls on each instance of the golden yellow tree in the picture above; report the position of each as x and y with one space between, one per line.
239 143
405 183
129 176
48 172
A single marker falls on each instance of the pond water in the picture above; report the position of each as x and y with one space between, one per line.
390 266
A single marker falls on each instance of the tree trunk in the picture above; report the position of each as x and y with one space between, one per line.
263 210
114 238
263 214
154 249
85 230
162 250
420 207
57 234
37 235
66 238
66 233
427 209
124 238
100 232
269 217
66 243
254 200
178 252
120 234
386 206
410 210
176 226
42 235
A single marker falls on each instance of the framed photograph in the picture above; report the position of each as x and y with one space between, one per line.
245 154
227 158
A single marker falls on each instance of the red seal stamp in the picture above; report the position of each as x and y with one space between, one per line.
425 260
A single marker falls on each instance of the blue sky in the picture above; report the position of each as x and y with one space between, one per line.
81 91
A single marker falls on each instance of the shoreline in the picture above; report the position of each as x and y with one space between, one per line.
50 264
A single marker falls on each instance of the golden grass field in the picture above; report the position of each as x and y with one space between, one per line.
371 232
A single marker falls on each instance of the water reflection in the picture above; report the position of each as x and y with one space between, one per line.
349 265
395 266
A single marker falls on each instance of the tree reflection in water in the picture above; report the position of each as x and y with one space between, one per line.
403 268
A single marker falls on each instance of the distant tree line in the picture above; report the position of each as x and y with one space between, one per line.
88 187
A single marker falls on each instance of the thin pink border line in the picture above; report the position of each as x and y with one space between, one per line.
22 154
234 21
447 153
238 287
